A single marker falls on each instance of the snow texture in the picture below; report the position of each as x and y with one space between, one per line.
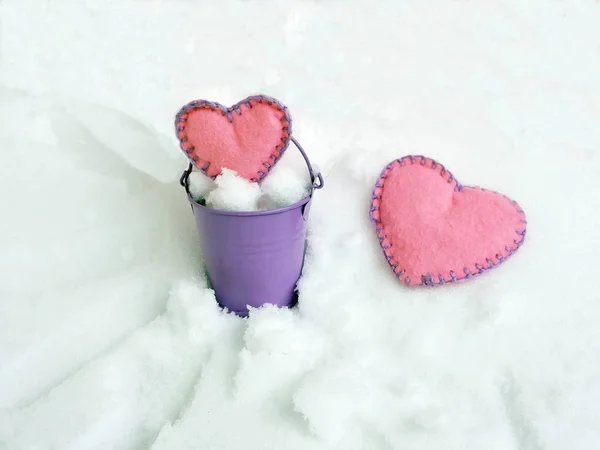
284 186
233 193
109 337
200 185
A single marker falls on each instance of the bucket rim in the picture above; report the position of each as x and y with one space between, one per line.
265 212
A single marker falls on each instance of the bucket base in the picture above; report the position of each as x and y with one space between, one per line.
244 312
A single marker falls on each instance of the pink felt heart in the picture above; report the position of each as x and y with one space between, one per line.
433 230
248 137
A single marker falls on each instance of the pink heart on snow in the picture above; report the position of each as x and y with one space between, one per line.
248 137
433 230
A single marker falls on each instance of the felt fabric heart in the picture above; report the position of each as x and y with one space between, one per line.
248 137
433 230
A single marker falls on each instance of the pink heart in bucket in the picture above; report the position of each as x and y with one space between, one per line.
248 137
433 230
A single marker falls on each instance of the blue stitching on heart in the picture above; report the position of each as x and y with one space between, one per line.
188 148
429 279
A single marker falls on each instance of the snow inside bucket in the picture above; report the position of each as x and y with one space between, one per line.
253 256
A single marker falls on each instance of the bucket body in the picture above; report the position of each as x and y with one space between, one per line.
253 258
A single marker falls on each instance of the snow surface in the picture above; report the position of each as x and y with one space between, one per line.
233 193
228 191
109 338
200 185
285 186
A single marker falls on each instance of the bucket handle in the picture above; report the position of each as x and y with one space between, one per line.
184 180
313 177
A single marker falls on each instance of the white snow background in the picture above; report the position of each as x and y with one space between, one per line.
109 338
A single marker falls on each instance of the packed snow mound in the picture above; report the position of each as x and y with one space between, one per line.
200 185
284 186
231 192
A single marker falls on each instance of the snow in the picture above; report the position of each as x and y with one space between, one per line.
228 191
233 193
200 185
284 186
109 337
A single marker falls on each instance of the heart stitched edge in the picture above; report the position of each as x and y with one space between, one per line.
188 148
428 279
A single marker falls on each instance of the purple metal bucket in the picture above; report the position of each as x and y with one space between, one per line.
254 258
